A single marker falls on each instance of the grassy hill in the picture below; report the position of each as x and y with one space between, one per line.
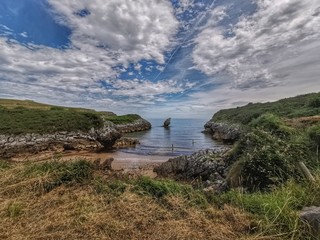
299 106
20 117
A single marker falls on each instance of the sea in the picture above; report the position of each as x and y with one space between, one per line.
183 137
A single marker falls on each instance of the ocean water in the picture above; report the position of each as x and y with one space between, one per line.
183 137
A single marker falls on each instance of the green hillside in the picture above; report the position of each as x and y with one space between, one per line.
299 106
20 117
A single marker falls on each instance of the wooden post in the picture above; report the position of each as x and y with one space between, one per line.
172 147
305 171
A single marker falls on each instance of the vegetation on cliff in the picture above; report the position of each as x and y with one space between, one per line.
264 161
275 137
21 117
299 106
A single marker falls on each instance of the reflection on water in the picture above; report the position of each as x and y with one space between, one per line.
184 136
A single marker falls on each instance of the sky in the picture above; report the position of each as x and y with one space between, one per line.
159 58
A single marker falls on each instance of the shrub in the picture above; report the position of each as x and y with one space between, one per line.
273 124
314 134
315 102
264 160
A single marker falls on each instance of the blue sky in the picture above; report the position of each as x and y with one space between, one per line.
158 58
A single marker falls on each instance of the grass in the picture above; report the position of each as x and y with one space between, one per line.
124 119
277 211
90 205
300 106
22 117
22 121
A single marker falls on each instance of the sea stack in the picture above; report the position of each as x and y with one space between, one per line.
167 122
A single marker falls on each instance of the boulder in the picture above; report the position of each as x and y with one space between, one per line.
136 126
104 166
221 131
206 165
311 215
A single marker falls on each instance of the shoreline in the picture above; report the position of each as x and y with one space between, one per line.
127 162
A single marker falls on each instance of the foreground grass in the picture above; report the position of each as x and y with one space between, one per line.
70 200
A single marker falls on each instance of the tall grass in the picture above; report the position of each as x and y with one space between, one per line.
277 211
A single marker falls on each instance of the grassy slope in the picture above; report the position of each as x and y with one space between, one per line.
70 200
276 136
300 106
20 117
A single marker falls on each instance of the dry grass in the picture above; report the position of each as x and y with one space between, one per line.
105 208
303 122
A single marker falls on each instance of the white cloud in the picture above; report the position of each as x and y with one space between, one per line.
259 43
145 89
115 32
130 30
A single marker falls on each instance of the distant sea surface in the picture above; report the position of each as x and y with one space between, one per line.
183 137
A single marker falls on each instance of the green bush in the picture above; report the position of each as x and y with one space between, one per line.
263 160
273 124
315 102
314 134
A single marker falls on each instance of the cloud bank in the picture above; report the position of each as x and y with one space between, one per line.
186 58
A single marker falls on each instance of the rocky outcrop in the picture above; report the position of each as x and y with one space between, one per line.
225 132
167 122
136 126
126 142
207 165
32 143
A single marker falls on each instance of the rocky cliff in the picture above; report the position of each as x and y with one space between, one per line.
223 131
207 165
136 126
95 139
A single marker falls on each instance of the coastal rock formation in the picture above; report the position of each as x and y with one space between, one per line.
95 139
31 143
126 142
167 122
223 131
136 126
207 165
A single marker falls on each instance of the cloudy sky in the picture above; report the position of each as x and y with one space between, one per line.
159 58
